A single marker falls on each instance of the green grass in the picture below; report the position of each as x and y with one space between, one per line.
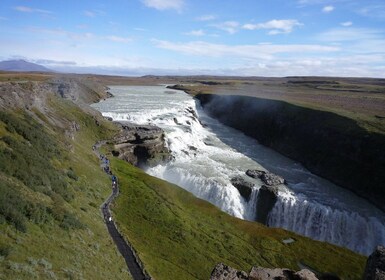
181 237
51 187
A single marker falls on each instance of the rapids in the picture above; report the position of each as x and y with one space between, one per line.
208 154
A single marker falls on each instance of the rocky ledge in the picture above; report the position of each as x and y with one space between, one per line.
267 194
375 270
224 272
267 177
244 187
375 265
140 145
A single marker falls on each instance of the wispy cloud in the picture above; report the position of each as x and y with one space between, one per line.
275 26
328 9
199 32
93 13
347 23
89 14
228 26
3 18
54 62
262 51
165 4
206 18
374 11
349 34
25 9
119 39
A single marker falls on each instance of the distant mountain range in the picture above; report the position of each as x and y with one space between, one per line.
22 66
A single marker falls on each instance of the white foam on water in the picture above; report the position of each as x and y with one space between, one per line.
208 154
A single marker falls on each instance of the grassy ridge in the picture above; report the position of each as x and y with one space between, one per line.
181 237
51 187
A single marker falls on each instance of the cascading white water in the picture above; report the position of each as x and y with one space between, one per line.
208 154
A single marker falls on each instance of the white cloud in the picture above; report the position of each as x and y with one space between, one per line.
206 18
328 9
164 4
275 26
199 32
228 26
347 23
119 39
25 9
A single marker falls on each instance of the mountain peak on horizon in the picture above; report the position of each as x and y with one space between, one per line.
22 65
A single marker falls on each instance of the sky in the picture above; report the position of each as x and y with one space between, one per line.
219 37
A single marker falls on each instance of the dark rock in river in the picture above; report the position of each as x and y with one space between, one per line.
375 265
224 272
266 199
267 177
141 145
245 188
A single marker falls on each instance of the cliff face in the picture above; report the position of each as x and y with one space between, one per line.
329 145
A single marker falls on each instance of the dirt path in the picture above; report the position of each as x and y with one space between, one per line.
132 261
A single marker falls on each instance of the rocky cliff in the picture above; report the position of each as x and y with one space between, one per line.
140 145
329 145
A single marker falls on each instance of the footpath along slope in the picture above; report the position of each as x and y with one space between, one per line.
132 260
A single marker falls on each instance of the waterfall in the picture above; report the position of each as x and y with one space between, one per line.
320 222
207 155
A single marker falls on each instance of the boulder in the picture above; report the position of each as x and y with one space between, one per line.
266 199
375 265
245 188
224 272
267 177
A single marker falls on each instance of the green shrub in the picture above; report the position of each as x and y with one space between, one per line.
4 250
29 159
72 175
12 207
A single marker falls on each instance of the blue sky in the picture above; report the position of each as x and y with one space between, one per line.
224 37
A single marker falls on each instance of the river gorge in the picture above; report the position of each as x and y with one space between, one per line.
207 155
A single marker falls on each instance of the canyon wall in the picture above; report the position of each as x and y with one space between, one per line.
329 145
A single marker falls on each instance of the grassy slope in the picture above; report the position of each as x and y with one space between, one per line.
48 250
181 237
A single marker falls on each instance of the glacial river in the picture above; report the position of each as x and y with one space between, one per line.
208 154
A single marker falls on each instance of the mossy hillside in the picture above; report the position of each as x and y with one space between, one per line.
178 236
51 190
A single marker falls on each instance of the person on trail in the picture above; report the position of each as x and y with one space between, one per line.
114 181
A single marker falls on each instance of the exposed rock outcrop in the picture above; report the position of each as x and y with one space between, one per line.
266 199
375 265
245 188
267 177
224 272
141 145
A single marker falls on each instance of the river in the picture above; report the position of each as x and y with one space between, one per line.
207 154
